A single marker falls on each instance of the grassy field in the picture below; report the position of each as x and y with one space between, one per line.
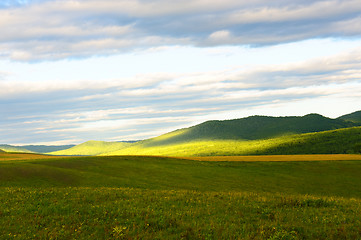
280 158
134 197
339 141
93 148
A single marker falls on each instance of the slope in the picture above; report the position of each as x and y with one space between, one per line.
352 117
251 128
92 148
10 148
46 149
347 140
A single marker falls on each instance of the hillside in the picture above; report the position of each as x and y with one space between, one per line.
10 148
92 148
252 128
45 148
33 148
244 134
352 117
346 140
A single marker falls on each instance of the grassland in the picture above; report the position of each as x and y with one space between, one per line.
280 158
340 141
254 128
24 156
133 197
125 213
9 148
255 135
352 117
92 148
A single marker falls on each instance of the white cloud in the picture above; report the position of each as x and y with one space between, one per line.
87 28
341 68
136 107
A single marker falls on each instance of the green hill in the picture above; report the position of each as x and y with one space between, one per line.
252 128
92 148
238 136
10 148
33 148
347 140
352 117
46 149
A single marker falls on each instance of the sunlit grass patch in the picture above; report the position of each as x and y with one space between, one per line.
281 158
126 213
339 141
23 156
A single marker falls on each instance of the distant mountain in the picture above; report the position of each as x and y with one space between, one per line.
92 148
45 148
352 117
33 148
10 148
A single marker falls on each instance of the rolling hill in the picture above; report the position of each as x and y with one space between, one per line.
250 135
352 117
10 148
253 128
347 140
92 148
33 148
46 149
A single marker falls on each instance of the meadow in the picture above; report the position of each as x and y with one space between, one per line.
339 141
139 197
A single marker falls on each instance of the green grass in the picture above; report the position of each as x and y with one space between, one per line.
353 117
253 128
92 148
130 197
9 148
164 198
251 135
346 140
126 213
321 178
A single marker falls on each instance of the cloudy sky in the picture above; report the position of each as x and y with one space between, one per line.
78 70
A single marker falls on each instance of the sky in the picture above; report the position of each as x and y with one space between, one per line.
115 70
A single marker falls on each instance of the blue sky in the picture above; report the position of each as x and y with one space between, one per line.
72 71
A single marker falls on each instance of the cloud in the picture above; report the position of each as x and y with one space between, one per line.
135 107
49 30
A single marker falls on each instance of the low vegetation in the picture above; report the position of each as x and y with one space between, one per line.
207 192
127 213
253 128
9 148
256 135
92 148
352 117
129 197
46 148
338 141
